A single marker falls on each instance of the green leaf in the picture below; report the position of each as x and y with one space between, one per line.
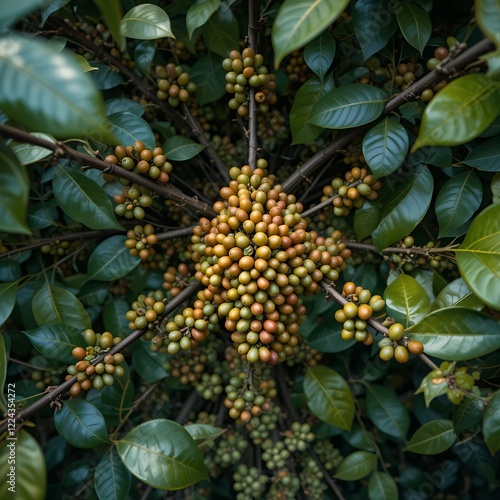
457 294
349 106
432 438
14 190
491 424
366 219
405 207
29 153
325 337
41 215
8 293
486 156
56 341
459 112
203 433
146 22
415 24
475 454
128 128
406 300
199 13
180 148
30 469
387 412
111 11
106 77
3 373
457 334
467 414
148 364
456 203
329 396
385 147
221 32
111 260
52 304
13 12
46 91
113 316
162 454
83 199
111 478
208 75
300 21
432 387
478 257
121 104
305 99
319 54
144 54
51 7
81 424
356 466
382 486
488 17
374 24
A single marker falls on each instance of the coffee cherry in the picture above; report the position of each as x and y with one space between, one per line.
415 347
386 353
78 353
396 331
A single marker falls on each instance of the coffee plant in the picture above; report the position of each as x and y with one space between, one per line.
249 249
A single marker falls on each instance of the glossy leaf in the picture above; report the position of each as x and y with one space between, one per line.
366 219
387 412
486 156
459 112
415 24
14 11
81 424
144 54
457 294
106 77
221 32
432 387
305 99
146 22
29 153
122 104
128 128
30 468
111 260
113 316
456 203
467 414
491 424
148 364
199 13
83 199
385 147
475 454
51 7
208 75
111 11
329 396
14 189
349 106
300 21
162 454
319 54
405 207
8 293
203 433
180 148
46 91
52 304
374 24
111 478
432 438
488 17
41 215
406 301
56 341
325 337
356 466
457 334
478 257
382 486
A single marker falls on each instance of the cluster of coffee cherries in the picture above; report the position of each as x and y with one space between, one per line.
187 367
397 346
357 311
311 478
255 258
89 373
139 159
249 482
244 70
229 450
209 386
175 279
329 456
44 378
298 437
350 195
407 73
140 241
275 454
174 84
132 202
296 68
145 312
